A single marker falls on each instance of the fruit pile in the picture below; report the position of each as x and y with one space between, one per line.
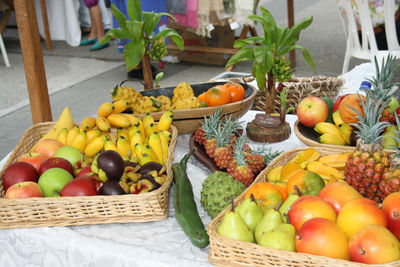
305 215
183 98
224 144
115 153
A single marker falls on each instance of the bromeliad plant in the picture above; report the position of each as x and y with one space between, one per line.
268 53
139 29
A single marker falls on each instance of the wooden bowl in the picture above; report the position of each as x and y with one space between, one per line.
188 120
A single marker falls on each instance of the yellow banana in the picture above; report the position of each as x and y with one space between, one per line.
156 146
141 128
109 145
346 131
145 159
71 135
123 147
88 123
139 150
118 120
62 136
79 141
165 121
132 130
120 106
92 134
110 136
332 139
164 145
105 109
148 150
149 129
136 139
326 127
147 119
95 146
337 119
103 124
123 132
168 134
132 118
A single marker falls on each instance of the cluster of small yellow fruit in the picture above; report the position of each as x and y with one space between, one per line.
337 133
140 140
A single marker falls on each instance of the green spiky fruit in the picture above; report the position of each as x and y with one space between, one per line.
217 192
158 50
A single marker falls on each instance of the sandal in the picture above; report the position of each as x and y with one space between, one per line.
98 46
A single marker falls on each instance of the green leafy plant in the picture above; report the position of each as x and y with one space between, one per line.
139 29
262 50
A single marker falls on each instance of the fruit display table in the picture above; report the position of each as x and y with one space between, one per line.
161 243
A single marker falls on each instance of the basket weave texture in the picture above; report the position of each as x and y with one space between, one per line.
299 88
225 251
62 211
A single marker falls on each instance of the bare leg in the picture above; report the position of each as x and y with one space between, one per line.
97 22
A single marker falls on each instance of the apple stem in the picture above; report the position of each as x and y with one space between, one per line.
279 205
297 190
252 197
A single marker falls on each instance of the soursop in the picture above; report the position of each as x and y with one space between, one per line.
218 190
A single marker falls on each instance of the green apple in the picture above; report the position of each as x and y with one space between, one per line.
72 154
393 104
53 180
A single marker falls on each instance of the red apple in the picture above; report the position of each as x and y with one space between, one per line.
19 172
320 236
337 194
56 163
47 147
80 186
86 171
23 190
337 102
312 110
308 207
391 208
34 158
374 244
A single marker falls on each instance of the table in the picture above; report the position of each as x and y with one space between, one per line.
161 243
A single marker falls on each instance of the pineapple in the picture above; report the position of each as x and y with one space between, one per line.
238 168
391 179
366 165
223 152
208 125
260 157
382 86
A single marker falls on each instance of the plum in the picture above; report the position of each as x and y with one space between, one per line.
112 164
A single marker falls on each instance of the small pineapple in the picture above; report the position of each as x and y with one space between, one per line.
238 168
391 179
208 125
259 157
223 152
366 165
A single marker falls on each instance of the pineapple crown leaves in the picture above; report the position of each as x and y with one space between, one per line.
277 41
239 150
396 137
266 152
382 85
369 127
210 124
138 29
226 130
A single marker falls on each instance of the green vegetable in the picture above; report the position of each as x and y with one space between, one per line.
185 207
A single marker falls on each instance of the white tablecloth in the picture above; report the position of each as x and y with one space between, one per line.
161 243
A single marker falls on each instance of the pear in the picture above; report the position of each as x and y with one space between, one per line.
271 219
250 212
286 205
233 226
281 237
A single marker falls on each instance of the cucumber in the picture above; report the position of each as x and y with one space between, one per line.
185 207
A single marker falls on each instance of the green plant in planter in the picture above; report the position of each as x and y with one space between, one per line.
268 53
138 29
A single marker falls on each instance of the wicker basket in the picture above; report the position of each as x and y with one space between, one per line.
300 87
225 251
62 211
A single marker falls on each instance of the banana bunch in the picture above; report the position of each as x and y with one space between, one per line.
158 49
334 134
281 69
133 138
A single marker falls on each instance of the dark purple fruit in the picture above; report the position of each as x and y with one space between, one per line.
111 163
132 165
111 187
150 166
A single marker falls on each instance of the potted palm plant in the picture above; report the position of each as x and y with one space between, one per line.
139 28
269 64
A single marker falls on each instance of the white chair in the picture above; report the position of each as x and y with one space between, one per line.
4 52
367 48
